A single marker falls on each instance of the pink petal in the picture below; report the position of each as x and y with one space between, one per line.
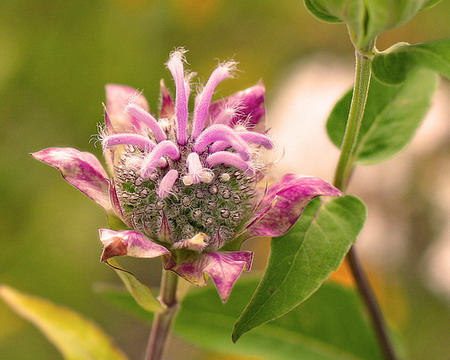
167 109
80 169
251 107
285 201
130 243
115 200
117 98
224 269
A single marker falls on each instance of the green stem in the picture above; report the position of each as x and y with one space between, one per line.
355 116
163 320
341 179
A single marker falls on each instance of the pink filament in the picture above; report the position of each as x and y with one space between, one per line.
128 139
146 118
218 132
175 65
256 138
219 146
150 162
228 158
204 99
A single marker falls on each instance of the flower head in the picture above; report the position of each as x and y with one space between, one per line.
186 185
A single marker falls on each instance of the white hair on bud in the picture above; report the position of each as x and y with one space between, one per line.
178 53
133 99
102 132
230 67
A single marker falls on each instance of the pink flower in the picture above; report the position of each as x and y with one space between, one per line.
186 185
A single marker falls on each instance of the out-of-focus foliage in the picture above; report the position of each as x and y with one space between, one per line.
75 337
367 18
391 118
205 321
55 59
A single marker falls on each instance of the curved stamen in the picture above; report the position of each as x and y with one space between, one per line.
146 118
150 162
219 132
219 146
228 158
128 139
204 99
256 138
249 137
166 184
176 68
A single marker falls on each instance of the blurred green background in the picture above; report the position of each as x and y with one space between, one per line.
56 57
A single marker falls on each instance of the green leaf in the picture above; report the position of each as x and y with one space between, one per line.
334 11
330 325
391 118
395 64
302 259
351 12
384 15
121 298
429 4
76 337
140 292
367 18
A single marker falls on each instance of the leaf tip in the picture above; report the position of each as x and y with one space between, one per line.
238 331
235 337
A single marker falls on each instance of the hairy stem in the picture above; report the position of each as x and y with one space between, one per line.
163 320
341 179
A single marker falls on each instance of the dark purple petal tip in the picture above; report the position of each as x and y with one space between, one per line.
250 103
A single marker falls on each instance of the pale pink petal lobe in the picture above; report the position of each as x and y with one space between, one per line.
226 267
80 169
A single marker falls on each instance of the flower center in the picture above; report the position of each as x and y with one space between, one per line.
218 204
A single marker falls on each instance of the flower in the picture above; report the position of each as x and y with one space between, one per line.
186 186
